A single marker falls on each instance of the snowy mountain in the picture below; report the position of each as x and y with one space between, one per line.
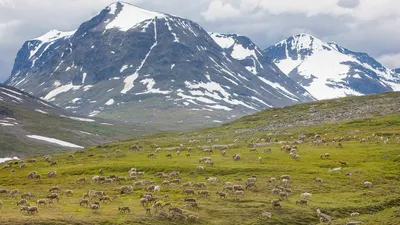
397 70
251 57
327 70
131 64
31 126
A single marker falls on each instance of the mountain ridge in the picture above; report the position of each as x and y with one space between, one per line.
328 70
30 126
159 63
251 57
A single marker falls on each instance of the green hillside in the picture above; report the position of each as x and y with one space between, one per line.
372 119
22 114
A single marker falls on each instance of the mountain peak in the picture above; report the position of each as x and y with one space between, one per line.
328 70
125 5
240 47
128 15
223 40
304 35
304 41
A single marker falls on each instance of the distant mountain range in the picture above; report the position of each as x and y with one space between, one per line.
135 65
328 70
253 59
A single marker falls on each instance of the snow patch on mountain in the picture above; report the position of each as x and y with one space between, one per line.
6 124
107 124
129 82
287 65
65 88
12 96
54 141
261 101
94 113
41 111
215 91
123 68
49 37
129 16
150 83
8 159
223 41
110 102
84 77
11 91
279 87
75 100
219 107
79 118
240 52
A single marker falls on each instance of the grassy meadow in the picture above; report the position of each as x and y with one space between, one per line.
338 196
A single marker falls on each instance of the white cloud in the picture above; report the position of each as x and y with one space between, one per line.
348 3
220 10
392 61
369 10
226 9
309 7
297 30
249 5
5 27
7 3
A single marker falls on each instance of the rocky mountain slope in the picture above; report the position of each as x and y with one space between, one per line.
323 113
327 70
136 65
31 126
251 57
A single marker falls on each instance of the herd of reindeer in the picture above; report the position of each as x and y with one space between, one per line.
156 203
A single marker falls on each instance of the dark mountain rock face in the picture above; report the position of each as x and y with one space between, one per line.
252 58
130 64
327 70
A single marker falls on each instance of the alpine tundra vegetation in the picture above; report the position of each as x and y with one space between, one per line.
347 172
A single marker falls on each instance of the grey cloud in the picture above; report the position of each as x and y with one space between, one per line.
348 3
5 68
269 29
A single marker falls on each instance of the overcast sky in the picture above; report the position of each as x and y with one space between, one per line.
371 26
